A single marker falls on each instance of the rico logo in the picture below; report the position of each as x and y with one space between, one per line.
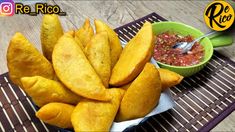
219 15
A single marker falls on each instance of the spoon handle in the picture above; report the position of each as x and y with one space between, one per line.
190 45
203 36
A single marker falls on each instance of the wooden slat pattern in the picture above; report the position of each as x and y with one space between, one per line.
200 99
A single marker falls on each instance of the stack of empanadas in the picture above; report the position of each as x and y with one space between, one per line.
85 80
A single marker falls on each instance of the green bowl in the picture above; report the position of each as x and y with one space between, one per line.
184 30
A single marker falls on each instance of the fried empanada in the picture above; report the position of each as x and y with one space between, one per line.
98 53
169 78
134 56
71 33
84 34
114 42
24 60
126 86
57 114
75 71
142 95
91 115
51 31
43 91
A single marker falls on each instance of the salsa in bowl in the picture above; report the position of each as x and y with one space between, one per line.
180 30
163 51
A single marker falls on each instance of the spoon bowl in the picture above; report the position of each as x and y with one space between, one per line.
187 46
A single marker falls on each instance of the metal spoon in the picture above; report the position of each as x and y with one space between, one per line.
186 46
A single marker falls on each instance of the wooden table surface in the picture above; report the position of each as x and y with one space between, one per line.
115 13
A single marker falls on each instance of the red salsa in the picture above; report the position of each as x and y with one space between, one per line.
163 51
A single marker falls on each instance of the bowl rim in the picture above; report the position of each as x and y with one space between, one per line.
186 26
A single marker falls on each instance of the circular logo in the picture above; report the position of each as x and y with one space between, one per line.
219 15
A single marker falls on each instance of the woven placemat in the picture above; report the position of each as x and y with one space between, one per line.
202 100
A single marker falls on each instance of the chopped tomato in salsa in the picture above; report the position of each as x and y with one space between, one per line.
163 51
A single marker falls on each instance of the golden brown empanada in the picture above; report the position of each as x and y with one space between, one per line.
75 71
134 56
24 60
43 91
114 42
84 34
57 114
169 78
91 115
71 33
142 95
98 53
51 31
